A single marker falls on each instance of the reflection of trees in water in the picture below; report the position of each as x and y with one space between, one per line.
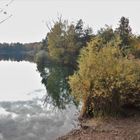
55 80
16 57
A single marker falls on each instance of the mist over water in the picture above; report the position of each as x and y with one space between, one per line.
23 115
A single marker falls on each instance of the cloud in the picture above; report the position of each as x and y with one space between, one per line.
29 120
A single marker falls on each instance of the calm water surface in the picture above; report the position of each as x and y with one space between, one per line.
23 115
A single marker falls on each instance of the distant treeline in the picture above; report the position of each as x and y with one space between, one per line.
19 48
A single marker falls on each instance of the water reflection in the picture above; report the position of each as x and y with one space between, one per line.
54 77
28 120
16 57
25 117
19 81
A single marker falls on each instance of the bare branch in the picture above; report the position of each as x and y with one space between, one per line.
4 12
9 3
49 26
59 17
5 19
1 10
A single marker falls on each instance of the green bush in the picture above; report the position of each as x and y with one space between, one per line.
136 50
106 81
41 59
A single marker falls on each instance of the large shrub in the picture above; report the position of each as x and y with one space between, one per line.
106 80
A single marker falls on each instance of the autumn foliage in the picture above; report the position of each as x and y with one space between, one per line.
106 80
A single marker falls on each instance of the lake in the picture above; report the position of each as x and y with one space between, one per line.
23 113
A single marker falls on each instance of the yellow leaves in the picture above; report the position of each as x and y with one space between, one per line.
103 72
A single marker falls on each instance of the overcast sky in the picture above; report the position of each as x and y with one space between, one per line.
27 23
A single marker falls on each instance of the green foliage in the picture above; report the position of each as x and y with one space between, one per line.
108 77
135 51
106 80
107 34
41 59
65 41
124 30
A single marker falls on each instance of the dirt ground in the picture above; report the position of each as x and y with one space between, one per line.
107 129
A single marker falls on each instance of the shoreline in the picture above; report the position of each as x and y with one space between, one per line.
106 129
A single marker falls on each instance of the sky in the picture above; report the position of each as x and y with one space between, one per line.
29 17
